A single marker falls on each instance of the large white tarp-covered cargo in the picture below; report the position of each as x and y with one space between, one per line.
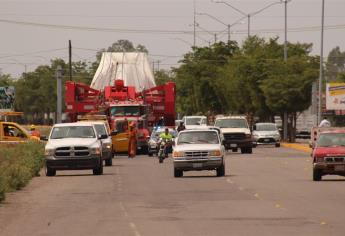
131 67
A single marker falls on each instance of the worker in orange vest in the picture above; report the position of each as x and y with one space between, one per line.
132 144
34 132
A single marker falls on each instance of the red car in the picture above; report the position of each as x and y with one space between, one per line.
329 154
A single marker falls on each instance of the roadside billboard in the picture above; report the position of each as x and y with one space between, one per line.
7 99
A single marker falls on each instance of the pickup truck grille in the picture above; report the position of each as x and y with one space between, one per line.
334 159
77 151
196 154
234 136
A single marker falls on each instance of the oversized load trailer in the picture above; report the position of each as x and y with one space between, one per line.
122 101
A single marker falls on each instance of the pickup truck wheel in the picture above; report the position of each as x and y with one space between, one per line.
249 150
243 150
317 175
150 154
221 171
50 171
109 162
98 170
178 173
235 150
277 144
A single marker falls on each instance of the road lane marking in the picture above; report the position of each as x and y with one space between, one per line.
241 188
229 181
278 205
134 228
256 195
123 209
323 223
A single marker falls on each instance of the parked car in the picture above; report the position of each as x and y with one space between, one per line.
266 133
198 150
154 138
329 154
236 133
74 146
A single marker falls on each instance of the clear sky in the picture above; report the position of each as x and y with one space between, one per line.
34 31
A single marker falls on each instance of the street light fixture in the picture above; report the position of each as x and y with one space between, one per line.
249 15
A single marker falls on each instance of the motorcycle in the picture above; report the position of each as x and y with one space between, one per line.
164 144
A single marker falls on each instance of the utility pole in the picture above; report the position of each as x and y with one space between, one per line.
58 75
70 59
158 61
194 25
321 63
285 59
229 33
153 67
248 25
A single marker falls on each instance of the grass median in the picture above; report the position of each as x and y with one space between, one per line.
18 164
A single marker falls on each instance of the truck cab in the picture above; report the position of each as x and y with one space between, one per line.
194 122
11 132
236 133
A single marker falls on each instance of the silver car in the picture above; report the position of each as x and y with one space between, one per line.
198 150
266 133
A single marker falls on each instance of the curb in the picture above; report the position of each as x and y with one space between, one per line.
297 146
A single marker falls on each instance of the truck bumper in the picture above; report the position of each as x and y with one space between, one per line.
187 165
74 163
330 168
246 143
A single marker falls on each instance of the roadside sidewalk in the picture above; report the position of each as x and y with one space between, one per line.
304 147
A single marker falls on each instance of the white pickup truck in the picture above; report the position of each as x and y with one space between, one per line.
74 146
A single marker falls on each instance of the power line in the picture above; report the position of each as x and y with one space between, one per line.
159 31
32 53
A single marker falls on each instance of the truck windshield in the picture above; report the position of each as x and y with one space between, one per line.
72 132
125 111
331 139
195 121
266 127
198 137
231 123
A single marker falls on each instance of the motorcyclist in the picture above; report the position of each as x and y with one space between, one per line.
167 137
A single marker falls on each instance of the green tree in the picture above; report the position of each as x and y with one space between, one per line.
335 64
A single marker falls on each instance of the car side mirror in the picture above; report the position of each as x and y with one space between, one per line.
44 138
113 133
103 136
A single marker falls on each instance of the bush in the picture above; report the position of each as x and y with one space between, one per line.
18 164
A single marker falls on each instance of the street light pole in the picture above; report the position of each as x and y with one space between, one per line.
321 63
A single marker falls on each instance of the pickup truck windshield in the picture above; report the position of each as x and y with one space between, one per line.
73 132
198 137
331 140
231 123
195 121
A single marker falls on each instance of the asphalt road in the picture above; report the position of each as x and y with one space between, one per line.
267 193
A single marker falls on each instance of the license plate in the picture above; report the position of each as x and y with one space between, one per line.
139 148
266 140
197 165
339 168
233 145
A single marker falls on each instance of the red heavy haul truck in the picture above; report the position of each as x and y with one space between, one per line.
123 104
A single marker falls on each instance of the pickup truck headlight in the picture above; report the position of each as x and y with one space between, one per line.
178 154
215 153
248 135
95 151
107 145
49 152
